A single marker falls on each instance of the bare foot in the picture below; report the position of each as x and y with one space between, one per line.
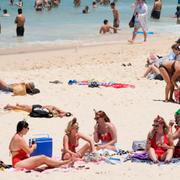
171 100
7 107
131 41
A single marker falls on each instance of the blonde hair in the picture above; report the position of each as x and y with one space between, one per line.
69 126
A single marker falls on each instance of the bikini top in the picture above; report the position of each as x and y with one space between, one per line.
155 145
106 137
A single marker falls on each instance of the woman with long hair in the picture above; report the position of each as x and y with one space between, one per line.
21 151
105 134
160 145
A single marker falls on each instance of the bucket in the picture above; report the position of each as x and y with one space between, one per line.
44 145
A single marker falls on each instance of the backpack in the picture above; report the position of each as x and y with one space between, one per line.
39 111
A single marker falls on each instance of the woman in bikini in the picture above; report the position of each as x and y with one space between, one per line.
21 151
71 142
56 112
160 145
170 71
104 132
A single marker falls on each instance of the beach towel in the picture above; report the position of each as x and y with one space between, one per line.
94 83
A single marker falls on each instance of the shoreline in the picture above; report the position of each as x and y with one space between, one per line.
102 40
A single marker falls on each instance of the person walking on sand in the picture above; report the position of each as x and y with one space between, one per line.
116 15
156 11
20 20
140 13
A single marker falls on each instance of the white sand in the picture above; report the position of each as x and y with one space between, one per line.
131 110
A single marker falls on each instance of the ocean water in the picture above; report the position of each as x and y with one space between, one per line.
66 24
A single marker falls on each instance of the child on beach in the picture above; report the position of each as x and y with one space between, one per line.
106 28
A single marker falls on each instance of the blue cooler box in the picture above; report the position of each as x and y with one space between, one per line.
44 146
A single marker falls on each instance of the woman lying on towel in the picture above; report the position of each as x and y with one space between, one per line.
104 132
39 110
21 151
160 142
176 134
71 142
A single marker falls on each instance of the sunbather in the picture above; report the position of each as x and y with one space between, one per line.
20 151
104 132
29 87
159 142
71 142
55 111
176 134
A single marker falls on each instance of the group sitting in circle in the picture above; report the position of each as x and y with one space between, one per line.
159 144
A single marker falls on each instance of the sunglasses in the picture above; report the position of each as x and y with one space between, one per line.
154 125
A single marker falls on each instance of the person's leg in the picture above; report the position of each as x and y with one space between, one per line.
134 35
84 149
3 85
155 69
36 161
166 77
145 36
152 155
26 108
148 70
167 156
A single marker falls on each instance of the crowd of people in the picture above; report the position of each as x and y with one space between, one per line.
159 144
160 140
139 8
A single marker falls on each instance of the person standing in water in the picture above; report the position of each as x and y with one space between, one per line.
156 11
116 16
20 20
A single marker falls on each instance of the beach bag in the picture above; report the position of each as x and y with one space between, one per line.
132 21
177 95
139 145
39 111
19 89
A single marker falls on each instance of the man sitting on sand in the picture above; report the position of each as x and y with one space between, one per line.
39 110
106 28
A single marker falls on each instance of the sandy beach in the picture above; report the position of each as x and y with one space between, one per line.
132 110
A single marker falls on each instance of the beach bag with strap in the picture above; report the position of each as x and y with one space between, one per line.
139 145
39 111
132 21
